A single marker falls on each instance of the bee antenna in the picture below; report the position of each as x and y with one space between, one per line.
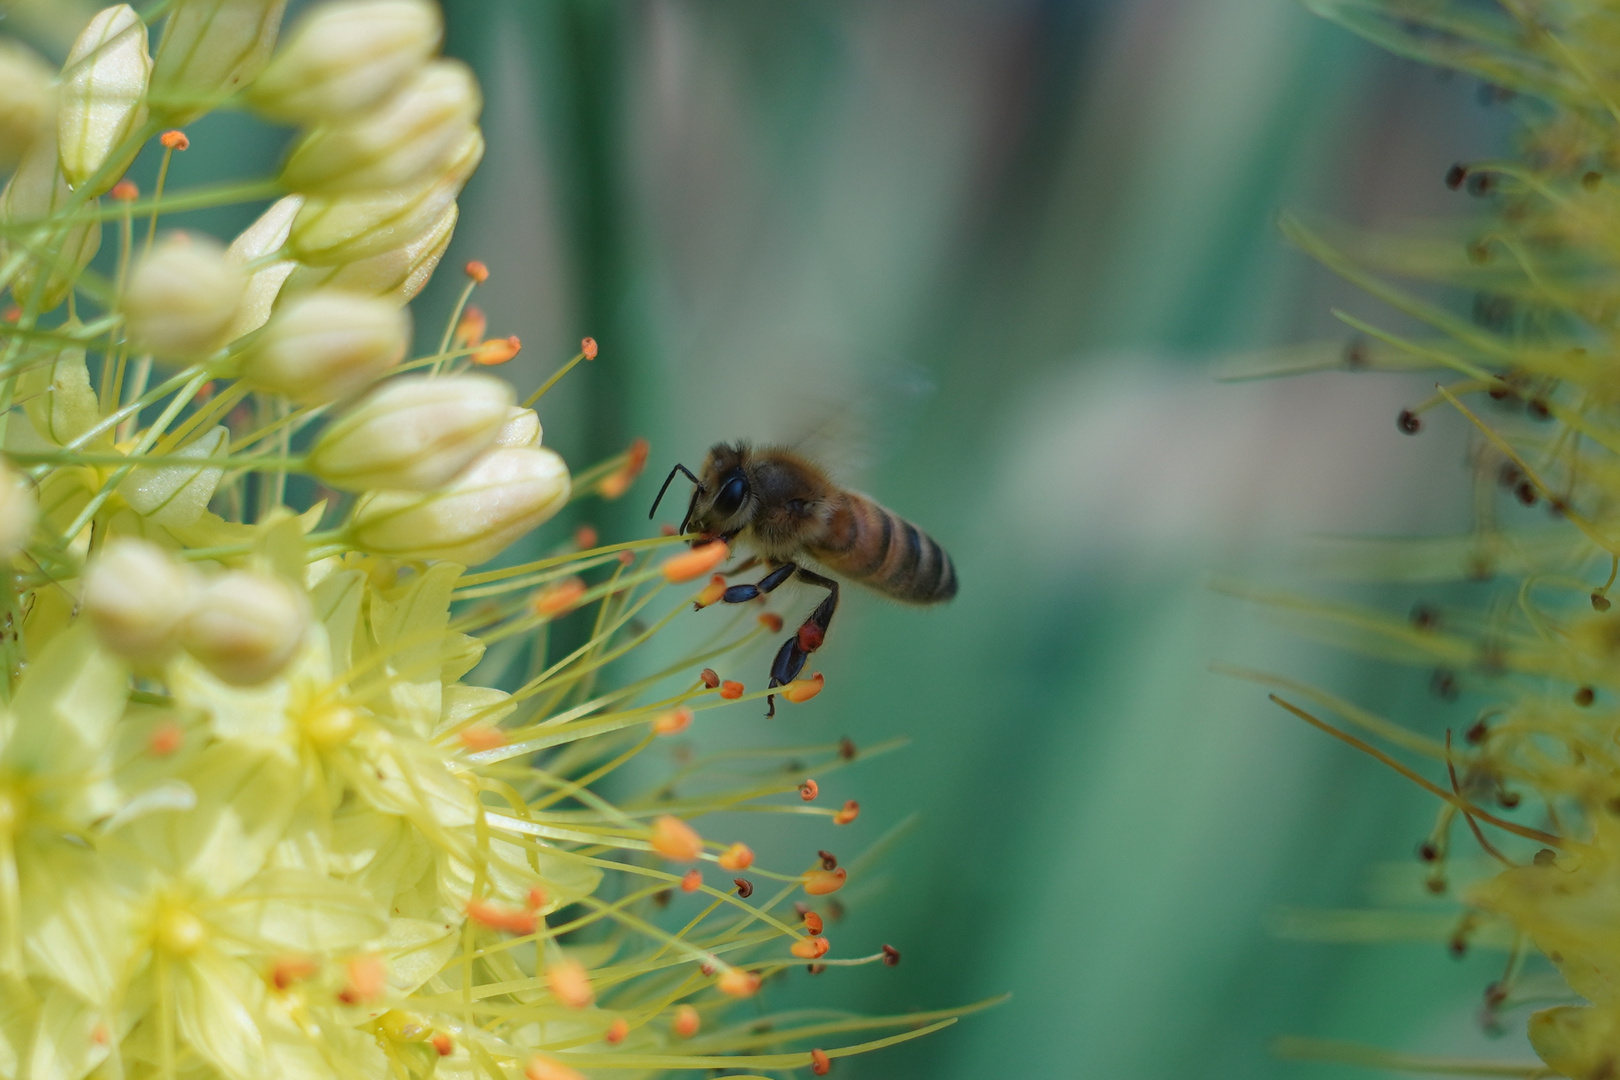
677 469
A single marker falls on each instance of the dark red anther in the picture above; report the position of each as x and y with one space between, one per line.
846 748
1456 175
1425 617
1408 422
891 955
710 678
1476 734
1538 409
1427 851
1584 696
829 861
745 888
815 969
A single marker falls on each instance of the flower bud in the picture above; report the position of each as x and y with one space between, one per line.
58 398
327 345
417 132
19 509
245 626
56 254
412 434
398 275
182 298
136 597
265 236
27 101
347 228
344 58
210 49
476 517
103 96
522 429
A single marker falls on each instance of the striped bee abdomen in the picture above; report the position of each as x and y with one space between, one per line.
882 550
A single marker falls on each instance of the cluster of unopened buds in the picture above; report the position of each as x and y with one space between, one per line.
254 823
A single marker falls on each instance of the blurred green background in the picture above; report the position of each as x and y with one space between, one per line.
993 250
986 256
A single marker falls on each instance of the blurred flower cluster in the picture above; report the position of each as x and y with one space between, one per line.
1530 785
253 822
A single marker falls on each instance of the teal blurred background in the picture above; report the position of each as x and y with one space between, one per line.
1000 246
988 255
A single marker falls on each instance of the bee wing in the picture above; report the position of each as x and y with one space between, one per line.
851 409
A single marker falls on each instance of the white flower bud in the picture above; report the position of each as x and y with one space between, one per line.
245 626
19 509
136 598
210 49
346 57
264 237
182 298
27 101
103 96
505 494
347 228
417 132
327 345
398 275
522 429
412 434
56 254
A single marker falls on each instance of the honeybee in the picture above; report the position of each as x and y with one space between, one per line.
788 512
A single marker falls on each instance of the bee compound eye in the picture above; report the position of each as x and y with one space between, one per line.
731 496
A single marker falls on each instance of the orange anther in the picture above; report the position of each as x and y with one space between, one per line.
617 1031
820 1063
810 948
100 1036
771 621
822 882
470 327
731 690
710 679
692 880
291 969
165 738
809 790
482 737
812 923
737 857
891 955
711 594
558 598
443 1043
174 140
687 1021
666 529
587 346
618 482
477 271
693 564
570 984
499 917
800 690
706 969
585 537
536 899
673 722
368 978
849 813
626 558
125 191
497 351
738 983
675 839
12 313
541 1067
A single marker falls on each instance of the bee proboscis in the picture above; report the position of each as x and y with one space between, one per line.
788 512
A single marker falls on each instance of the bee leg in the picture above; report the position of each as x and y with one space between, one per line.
790 659
741 594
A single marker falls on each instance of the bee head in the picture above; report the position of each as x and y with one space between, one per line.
720 495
